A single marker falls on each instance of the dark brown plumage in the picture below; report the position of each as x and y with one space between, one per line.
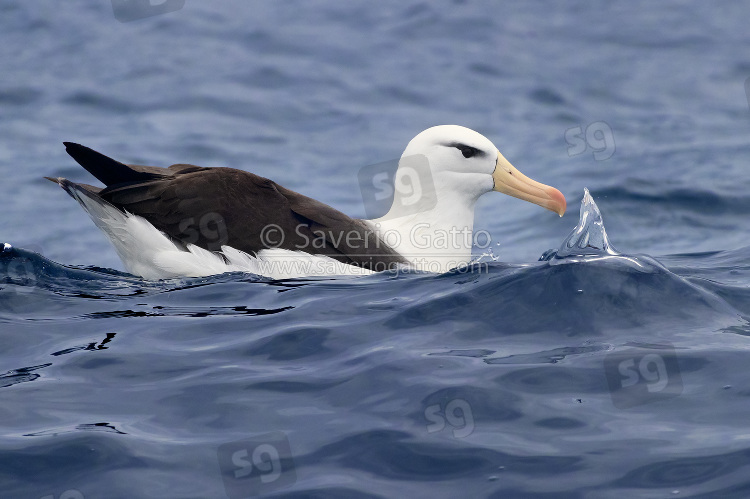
213 207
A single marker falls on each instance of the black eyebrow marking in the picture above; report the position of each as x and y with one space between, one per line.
467 150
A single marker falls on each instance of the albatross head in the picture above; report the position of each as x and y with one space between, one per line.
440 176
464 164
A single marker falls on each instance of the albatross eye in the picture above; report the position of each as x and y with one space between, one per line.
467 151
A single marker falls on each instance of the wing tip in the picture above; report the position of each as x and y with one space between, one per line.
109 171
74 147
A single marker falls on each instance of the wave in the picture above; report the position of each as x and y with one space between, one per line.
585 287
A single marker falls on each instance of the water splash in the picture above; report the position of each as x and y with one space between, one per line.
488 253
588 238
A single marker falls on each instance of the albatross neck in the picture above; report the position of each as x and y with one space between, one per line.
434 240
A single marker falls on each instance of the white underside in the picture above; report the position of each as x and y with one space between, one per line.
147 252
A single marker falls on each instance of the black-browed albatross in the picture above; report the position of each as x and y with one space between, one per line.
188 220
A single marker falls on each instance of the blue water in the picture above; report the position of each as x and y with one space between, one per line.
599 376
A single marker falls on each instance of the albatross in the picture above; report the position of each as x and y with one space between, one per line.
192 221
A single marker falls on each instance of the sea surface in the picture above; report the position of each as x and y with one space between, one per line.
613 366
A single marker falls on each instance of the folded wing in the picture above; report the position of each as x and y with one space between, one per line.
215 207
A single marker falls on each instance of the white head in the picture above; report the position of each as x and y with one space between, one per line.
463 165
441 174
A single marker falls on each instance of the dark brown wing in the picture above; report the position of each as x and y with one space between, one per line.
213 207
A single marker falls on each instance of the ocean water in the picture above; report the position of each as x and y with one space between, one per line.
588 373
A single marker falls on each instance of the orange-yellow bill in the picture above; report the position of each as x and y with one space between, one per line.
510 181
